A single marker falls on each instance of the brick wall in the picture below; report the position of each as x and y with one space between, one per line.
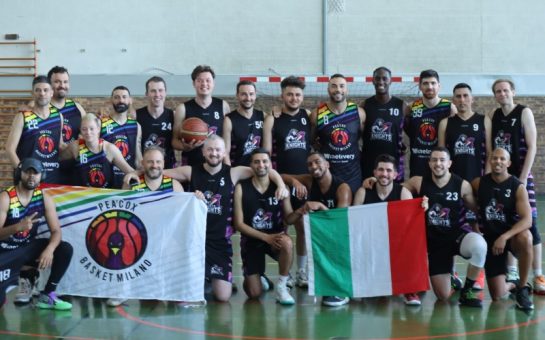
93 104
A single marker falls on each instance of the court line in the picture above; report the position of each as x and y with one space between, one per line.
121 311
37 335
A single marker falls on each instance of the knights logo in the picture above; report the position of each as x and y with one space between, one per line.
494 211
503 140
439 216
381 130
464 145
252 143
213 202
154 139
262 220
116 239
295 140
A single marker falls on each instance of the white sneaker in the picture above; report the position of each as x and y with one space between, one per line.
24 294
301 278
266 283
291 281
115 302
334 301
283 296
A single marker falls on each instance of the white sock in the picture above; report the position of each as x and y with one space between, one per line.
282 280
301 262
512 269
538 272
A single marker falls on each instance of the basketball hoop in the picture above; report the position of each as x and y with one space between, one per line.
335 6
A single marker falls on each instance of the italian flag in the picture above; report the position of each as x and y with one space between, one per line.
367 250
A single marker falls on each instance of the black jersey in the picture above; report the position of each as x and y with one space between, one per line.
371 195
466 142
262 211
328 198
291 142
497 202
157 131
94 169
339 142
211 115
507 133
218 192
382 134
123 136
40 139
71 116
421 125
246 136
446 212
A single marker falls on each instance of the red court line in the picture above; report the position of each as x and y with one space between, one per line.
121 311
35 335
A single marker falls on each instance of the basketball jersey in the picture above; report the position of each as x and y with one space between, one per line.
446 213
16 212
382 134
421 126
218 193
291 142
94 169
339 142
498 204
157 131
123 136
371 195
508 134
40 139
246 136
71 120
262 211
211 115
466 142
165 186
328 198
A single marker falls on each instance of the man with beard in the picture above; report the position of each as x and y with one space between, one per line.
422 121
336 128
205 107
156 120
152 179
514 129
122 131
287 135
448 198
37 133
216 181
259 216
383 131
325 191
243 128
506 217
22 208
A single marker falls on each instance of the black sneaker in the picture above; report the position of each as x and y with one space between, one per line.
334 301
470 299
455 281
522 297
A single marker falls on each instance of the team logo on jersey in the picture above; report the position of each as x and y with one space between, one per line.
427 133
439 216
96 177
262 220
464 145
340 138
67 131
216 270
295 140
154 139
116 239
252 143
123 146
494 211
212 130
46 145
381 130
503 140
213 202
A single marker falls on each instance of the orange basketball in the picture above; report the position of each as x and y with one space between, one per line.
194 129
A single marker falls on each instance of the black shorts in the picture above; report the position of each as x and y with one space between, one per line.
495 264
441 252
253 253
219 264
533 205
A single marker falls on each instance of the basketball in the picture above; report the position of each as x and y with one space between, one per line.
194 129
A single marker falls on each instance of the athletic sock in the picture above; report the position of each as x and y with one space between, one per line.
301 261
469 284
538 272
282 280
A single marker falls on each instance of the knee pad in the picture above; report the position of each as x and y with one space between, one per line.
473 247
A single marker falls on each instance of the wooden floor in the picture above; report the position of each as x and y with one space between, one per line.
376 318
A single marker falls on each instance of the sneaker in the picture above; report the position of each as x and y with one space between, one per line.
266 283
291 281
51 301
522 297
24 295
301 278
412 299
283 296
512 276
115 302
334 301
539 285
455 281
470 299
479 283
